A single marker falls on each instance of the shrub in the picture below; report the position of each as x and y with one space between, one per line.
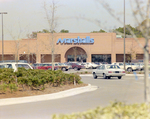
12 87
3 87
116 110
34 79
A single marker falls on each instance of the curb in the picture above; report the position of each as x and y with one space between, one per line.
125 75
134 75
62 94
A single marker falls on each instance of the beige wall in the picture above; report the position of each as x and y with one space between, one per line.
104 43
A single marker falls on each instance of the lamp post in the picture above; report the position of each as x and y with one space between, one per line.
2 36
124 37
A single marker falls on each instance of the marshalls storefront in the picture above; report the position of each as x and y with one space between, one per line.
83 47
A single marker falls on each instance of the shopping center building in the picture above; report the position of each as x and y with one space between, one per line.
83 47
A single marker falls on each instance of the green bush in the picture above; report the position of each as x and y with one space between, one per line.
3 87
116 110
12 87
34 79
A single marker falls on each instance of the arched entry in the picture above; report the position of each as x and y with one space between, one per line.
76 54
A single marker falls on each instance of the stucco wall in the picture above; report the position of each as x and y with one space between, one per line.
104 43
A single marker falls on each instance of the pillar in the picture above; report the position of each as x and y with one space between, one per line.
88 58
63 59
113 57
38 58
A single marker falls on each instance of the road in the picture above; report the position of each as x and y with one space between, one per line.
127 90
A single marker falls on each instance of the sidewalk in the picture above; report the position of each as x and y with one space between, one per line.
62 94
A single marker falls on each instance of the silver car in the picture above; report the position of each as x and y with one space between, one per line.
108 71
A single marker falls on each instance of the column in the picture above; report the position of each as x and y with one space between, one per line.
113 57
63 59
38 58
88 58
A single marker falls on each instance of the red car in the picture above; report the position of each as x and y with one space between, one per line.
77 66
44 66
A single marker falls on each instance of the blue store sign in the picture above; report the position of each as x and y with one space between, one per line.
76 40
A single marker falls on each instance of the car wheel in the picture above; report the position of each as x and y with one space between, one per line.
119 77
104 76
63 69
75 68
129 69
94 76
109 77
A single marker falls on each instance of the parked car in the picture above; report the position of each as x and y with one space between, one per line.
36 65
140 66
68 64
91 65
108 71
128 66
44 66
77 66
58 65
64 66
15 65
49 66
98 63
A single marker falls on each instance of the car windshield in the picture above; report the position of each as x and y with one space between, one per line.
47 64
113 67
23 65
37 65
6 66
55 64
2 66
60 64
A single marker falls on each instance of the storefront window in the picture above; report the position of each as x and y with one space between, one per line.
101 58
79 58
70 58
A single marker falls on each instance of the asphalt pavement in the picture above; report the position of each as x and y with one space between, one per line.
128 90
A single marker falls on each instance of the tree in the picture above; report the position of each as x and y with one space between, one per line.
140 11
120 30
17 44
34 33
143 24
100 31
64 31
52 23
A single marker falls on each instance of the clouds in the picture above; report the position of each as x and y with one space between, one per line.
30 15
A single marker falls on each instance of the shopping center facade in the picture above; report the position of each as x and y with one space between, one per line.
89 47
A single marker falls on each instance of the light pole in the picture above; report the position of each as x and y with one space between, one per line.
124 37
2 36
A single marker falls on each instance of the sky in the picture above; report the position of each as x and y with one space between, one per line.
78 16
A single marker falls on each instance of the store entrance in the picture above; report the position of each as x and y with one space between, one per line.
76 54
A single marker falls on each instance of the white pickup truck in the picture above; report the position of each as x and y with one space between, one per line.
128 66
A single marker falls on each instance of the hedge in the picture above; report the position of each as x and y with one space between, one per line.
116 110
34 79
